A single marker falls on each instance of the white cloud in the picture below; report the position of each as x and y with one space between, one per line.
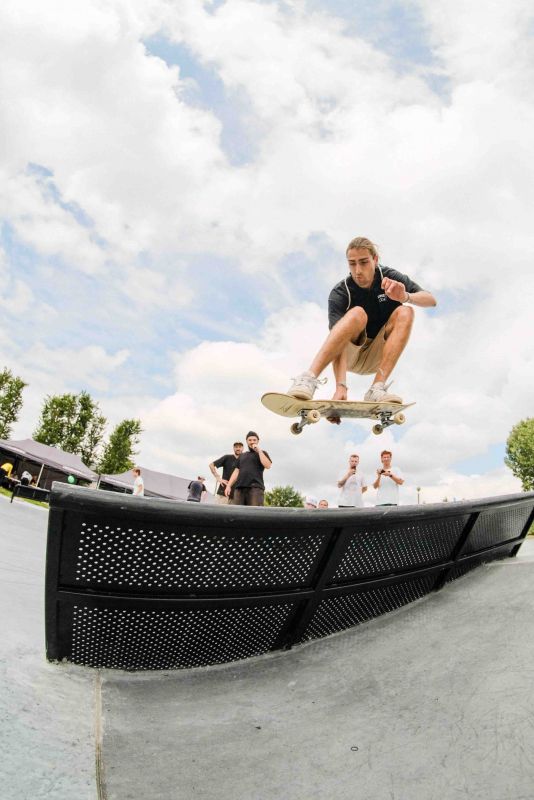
343 145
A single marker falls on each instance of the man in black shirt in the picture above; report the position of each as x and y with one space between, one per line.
370 324
228 464
248 474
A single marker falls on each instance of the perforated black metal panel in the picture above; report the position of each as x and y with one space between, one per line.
400 547
161 639
337 613
164 559
463 567
139 584
495 526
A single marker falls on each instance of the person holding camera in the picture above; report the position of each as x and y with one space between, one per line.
352 484
388 480
248 474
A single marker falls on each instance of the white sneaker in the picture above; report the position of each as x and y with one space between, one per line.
304 386
378 393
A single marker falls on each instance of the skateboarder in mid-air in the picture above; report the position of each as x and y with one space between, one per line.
370 319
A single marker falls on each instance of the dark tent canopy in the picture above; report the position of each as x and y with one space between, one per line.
44 462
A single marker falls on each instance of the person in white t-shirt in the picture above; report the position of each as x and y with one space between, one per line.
139 484
352 484
388 480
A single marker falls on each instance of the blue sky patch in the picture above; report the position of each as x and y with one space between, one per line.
395 28
239 138
492 458
50 191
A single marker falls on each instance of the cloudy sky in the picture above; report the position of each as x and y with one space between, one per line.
180 179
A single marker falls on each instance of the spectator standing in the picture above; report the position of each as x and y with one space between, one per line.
352 484
248 474
139 484
228 464
388 480
323 504
196 490
6 470
26 478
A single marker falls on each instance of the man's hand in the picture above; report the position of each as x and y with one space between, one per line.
339 394
227 490
224 482
395 290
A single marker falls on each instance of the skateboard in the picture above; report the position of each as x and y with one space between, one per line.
311 411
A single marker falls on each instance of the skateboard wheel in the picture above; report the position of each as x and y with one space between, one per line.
313 416
399 419
377 429
295 428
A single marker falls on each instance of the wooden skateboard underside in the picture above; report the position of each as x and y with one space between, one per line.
311 411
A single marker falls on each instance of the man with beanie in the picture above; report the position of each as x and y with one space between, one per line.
248 475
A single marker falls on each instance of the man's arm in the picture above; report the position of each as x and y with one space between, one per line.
422 299
376 484
396 290
339 365
233 478
264 458
216 475
342 481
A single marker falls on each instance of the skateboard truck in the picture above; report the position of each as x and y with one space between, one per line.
306 418
312 416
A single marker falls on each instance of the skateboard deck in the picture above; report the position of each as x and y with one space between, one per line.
311 411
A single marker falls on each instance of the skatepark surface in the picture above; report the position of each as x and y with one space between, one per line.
433 701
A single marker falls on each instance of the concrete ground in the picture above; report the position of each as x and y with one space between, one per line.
435 700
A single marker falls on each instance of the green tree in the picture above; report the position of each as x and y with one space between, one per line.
520 453
118 452
285 497
73 423
11 388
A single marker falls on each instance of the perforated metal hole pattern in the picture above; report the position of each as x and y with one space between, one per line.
393 549
493 527
462 569
338 613
151 558
156 639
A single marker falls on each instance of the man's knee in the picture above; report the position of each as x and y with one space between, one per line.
356 319
403 315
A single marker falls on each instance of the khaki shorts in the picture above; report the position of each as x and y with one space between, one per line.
222 499
365 356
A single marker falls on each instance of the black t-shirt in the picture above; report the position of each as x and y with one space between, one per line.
250 470
195 491
228 463
347 294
